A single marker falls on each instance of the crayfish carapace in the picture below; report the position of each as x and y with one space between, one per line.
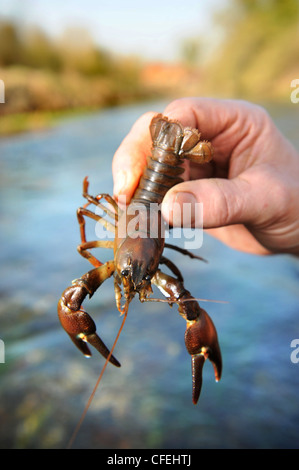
138 254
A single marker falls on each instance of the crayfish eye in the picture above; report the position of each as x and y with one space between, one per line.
125 272
147 277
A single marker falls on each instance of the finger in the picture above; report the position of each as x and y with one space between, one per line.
210 116
130 158
230 125
224 202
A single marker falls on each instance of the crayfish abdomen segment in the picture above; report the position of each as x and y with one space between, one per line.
157 179
163 168
172 143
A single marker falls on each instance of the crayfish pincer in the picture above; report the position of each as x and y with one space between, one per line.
138 252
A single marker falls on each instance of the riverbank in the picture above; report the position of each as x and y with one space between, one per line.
37 120
36 99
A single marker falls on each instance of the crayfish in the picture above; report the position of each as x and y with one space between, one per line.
138 253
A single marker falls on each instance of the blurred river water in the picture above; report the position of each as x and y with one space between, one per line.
45 381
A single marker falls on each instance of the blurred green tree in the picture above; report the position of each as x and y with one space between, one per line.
39 51
260 46
10 44
191 51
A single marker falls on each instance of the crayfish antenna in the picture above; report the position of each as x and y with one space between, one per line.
108 358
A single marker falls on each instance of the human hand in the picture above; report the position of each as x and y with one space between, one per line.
250 190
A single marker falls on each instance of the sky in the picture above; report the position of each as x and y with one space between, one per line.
152 29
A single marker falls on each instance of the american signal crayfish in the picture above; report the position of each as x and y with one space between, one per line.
138 254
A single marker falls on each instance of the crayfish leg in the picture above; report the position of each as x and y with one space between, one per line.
84 247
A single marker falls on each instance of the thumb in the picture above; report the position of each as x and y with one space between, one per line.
224 202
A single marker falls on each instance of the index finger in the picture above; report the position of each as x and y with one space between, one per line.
130 157
226 123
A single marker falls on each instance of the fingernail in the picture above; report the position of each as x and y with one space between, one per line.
120 182
182 209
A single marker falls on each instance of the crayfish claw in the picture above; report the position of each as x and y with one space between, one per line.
81 341
80 326
197 363
216 360
202 343
81 345
97 343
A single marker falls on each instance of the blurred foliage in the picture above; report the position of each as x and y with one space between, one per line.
42 75
74 51
252 52
191 51
259 52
